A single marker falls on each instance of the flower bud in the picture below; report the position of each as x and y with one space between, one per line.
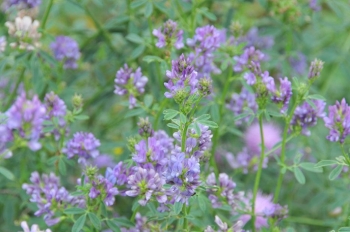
145 127
77 102
315 69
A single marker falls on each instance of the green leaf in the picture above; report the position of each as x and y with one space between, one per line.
197 129
74 211
133 112
47 57
81 117
123 222
310 167
209 15
335 172
148 9
113 226
275 114
323 163
150 59
214 111
78 225
62 167
240 116
202 203
183 118
316 96
344 229
169 114
52 160
137 3
177 208
135 38
203 117
137 51
209 123
148 100
6 173
297 158
95 220
173 125
299 175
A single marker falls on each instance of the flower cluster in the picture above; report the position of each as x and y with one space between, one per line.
142 224
168 34
47 193
84 145
306 115
338 121
224 190
27 117
101 187
25 30
129 82
66 49
250 54
242 103
205 42
237 227
21 3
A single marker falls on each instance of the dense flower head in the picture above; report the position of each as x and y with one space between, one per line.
146 183
264 209
338 121
3 44
283 95
315 69
84 145
55 107
225 187
101 187
252 138
206 41
241 103
66 49
22 3
33 228
27 117
129 82
47 193
306 115
181 77
25 30
183 174
249 54
118 175
168 34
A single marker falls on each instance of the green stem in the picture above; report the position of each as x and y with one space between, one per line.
216 132
283 151
14 92
308 221
184 211
258 174
46 16
183 138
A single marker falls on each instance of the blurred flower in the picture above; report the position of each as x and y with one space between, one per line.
146 183
21 3
34 228
314 5
168 34
48 195
27 117
102 161
142 224
25 30
264 209
6 136
84 145
224 189
305 115
252 138
129 82
315 69
338 121
242 103
253 38
118 175
237 227
298 63
206 41
3 44
55 107
66 49
249 54
181 77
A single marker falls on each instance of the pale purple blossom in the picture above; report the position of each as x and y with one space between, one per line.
33 228
66 49
249 54
283 95
101 186
131 83
169 35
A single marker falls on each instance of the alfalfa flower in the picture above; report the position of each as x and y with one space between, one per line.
169 35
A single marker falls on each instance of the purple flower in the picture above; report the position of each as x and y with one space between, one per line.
252 38
84 145
101 186
6 137
338 121
298 63
224 189
264 208
141 224
272 135
146 183
118 175
181 77
249 54
27 117
129 82
314 5
282 96
205 42
241 103
22 3
168 34
67 49
48 195
305 115
315 69
34 228
55 107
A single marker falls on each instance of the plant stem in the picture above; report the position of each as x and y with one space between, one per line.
14 92
258 174
216 132
46 16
